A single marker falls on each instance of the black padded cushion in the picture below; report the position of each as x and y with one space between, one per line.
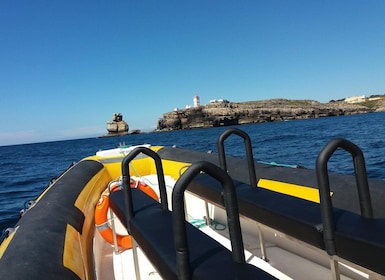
293 216
361 240
141 202
153 231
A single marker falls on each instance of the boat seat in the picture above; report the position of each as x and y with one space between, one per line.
153 231
177 249
181 251
290 215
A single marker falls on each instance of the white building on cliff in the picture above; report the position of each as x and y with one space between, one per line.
355 99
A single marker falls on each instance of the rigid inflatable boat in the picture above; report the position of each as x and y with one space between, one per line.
154 212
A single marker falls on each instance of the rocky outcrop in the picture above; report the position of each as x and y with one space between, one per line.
117 126
220 114
379 105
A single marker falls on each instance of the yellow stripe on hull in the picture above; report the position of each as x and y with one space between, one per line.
6 242
76 257
299 191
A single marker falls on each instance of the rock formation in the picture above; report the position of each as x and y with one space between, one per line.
117 126
222 113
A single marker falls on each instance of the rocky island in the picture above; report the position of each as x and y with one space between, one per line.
223 112
117 126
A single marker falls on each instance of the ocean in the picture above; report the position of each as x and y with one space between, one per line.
26 170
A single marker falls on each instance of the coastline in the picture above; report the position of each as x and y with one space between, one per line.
233 113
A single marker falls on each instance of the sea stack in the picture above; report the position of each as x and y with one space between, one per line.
117 126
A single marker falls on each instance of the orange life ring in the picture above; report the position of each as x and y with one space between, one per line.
144 188
101 213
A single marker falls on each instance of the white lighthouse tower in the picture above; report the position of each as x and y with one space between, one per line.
196 101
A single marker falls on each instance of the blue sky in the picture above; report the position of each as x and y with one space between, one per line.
67 66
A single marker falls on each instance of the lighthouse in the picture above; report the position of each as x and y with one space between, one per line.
196 101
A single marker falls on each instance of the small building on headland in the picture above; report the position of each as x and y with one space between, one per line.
355 99
196 103
117 126
219 101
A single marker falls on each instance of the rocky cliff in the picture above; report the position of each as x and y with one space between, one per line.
221 113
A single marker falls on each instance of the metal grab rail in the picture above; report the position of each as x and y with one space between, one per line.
178 214
126 179
251 168
249 152
324 186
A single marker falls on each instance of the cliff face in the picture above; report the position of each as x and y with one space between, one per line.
218 114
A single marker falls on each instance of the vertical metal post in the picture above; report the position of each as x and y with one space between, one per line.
136 260
112 219
262 244
208 219
334 268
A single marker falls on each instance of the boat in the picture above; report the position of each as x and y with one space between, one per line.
156 212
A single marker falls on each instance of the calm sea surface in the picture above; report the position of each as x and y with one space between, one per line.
25 170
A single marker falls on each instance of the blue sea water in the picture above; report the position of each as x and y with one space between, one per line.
25 170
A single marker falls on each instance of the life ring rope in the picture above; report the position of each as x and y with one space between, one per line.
102 222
